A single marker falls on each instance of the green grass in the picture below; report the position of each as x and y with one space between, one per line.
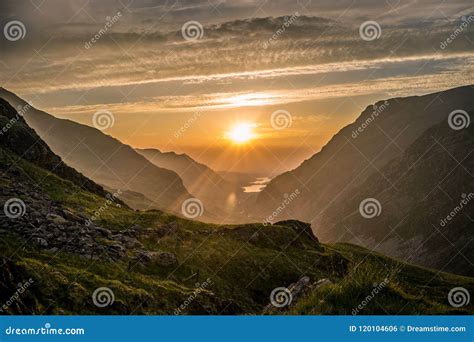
244 262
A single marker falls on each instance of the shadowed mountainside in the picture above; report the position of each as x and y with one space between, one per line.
18 137
433 179
219 196
104 159
395 150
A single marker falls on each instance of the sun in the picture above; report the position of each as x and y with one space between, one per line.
241 133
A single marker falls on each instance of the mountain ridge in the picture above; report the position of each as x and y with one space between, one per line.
107 160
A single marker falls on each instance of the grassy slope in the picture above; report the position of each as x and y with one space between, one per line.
243 269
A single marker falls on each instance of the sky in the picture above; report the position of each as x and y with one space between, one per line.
180 75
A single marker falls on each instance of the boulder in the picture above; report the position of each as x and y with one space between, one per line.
302 228
56 219
167 229
160 258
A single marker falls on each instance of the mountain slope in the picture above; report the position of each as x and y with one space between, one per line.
19 138
104 159
434 179
192 172
380 134
155 263
218 195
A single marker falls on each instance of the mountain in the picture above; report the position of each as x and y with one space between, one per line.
223 198
19 138
104 159
77 252
426 215
381 133
374 154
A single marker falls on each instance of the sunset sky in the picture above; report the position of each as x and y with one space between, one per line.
188 95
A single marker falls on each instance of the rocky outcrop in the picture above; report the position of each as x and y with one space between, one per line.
46 224
302 228
295 291
159 258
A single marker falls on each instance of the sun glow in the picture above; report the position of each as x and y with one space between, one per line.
241 133
248 100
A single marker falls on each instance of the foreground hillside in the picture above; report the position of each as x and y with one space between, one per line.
66 250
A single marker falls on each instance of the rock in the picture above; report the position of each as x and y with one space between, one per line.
136 227
300 286
298 290
71 216
161 258
321 283
168 229
300 227
102 231
164 258
117 249
41 242
56 219
143 256
131 242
